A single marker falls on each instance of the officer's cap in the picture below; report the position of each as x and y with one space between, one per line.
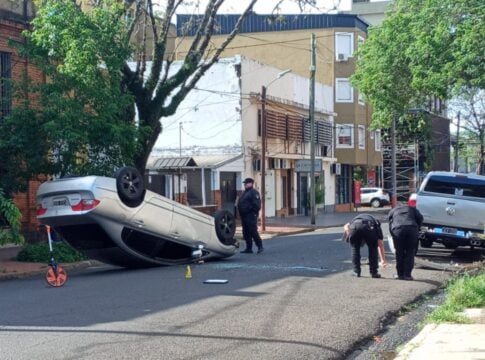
248 180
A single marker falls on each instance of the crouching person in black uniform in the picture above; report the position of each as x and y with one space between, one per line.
404 224
249 205
364 229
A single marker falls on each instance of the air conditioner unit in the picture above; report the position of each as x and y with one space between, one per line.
342 57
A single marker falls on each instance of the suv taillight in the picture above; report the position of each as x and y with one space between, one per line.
412 202
41 210
85 204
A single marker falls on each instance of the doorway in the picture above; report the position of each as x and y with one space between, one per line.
228 191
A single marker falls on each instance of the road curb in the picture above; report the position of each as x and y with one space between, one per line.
71 266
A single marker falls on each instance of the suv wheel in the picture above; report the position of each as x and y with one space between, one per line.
425 242
375 203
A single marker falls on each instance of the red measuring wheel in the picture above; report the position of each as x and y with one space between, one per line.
56 276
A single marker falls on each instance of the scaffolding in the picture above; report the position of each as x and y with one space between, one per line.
409 168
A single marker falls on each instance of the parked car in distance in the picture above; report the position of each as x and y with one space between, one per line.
373 196
117 221
453 207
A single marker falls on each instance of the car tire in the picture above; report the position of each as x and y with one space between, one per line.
130 186
375 203
425 242
450 246
225 224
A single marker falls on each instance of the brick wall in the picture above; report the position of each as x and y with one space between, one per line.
11 31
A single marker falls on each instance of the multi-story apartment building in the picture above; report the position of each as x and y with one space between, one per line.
284 42
373 12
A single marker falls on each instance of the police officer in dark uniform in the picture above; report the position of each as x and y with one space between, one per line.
249 205
364 229
404 224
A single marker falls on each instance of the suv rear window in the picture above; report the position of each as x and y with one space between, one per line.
459 186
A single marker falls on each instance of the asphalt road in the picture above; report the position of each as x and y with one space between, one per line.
294 301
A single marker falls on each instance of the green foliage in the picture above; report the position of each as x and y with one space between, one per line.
422 49
40 253
80 121
10 224
462 292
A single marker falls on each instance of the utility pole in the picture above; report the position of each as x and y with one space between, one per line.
180 138
180 169
457 146
393 163
263 158
312 129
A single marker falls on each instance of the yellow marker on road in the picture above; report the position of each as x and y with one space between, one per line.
188 272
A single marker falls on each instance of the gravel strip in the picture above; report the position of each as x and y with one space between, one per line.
399 330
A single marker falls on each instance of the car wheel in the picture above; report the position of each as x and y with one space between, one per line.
425 242
375 203
130 186
225 223
450 246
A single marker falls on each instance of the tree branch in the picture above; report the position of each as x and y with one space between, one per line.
202 68
160 47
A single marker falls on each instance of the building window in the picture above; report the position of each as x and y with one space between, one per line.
344 92
344 45
345 136
378 140
361 137
5 84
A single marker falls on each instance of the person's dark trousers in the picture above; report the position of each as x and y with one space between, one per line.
405 242
250 231
371 242
247 233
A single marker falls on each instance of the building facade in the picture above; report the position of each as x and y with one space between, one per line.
284 42
224 115
373 12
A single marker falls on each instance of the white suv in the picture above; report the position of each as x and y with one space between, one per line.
376 197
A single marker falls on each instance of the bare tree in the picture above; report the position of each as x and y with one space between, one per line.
470 104
159 94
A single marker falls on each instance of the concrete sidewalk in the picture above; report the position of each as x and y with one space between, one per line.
448 341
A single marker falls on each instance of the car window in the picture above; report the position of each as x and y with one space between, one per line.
458 186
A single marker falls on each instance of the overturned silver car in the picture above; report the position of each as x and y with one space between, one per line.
117 221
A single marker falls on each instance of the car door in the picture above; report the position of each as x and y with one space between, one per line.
154 216
190 226
364 196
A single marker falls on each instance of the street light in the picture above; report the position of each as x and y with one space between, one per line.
263 146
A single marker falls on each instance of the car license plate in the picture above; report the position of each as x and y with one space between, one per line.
59 202
448 230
